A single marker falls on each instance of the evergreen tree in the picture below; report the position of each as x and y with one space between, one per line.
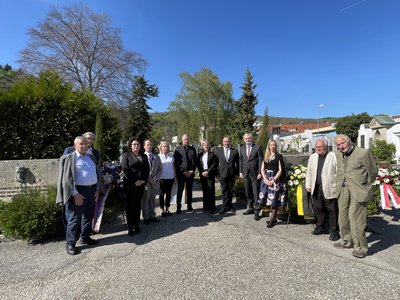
139 123
263 135
245 109
98 143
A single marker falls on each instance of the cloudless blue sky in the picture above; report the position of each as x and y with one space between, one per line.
344 54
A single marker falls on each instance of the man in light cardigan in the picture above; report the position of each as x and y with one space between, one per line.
321 183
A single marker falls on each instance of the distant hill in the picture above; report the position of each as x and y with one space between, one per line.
285 120
8 77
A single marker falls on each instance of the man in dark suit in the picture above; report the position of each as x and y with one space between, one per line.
78 184
185 160
251 157
228 170
90 137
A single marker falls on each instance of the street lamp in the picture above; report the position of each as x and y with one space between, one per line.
318 107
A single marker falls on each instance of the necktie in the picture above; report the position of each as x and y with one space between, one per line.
248 152
226 154
151 159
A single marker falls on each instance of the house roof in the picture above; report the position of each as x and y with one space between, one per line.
384 119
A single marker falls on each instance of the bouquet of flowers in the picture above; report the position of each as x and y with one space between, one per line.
297 175
112 174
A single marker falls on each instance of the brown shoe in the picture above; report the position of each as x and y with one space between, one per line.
359 253
342 246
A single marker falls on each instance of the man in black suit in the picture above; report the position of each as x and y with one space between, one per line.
90 137
251 157
185 160
228 170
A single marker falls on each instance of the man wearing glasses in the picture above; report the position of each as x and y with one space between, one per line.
320 182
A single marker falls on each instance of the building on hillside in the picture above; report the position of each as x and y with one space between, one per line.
382 127
305 142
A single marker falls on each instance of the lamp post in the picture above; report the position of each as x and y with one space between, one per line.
318 107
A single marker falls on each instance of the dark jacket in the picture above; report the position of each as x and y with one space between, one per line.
230 168
185 160
135 168
211 163
250 167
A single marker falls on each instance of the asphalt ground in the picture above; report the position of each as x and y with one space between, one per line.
206 256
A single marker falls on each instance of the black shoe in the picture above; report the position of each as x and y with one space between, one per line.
137 230
250 211
90 241
319 231
131 232
147 221
257 217
155 220
178 211
334 236
71 250
163 214
169 213
232 210
191 210
222 211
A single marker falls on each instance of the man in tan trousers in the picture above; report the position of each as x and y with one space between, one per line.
356 171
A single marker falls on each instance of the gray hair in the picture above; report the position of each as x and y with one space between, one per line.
80 138
322 140
89 133
344 137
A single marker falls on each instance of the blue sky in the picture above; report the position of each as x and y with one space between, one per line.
344 54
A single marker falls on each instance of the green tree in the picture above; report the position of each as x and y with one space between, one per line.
8 77
83 48
139 123
164 128
350 125
42 115
382 151
98 143
204 106
263 135
245 109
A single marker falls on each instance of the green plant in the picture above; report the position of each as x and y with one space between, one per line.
32 215
238 190
382 151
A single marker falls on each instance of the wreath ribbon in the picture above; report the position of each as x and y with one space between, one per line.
388 194
299 194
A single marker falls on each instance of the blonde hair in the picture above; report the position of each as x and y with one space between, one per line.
161 144
268 151
205 142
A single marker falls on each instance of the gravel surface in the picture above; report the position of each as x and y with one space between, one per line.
204 256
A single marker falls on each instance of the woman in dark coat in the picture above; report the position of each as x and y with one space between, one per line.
207 169
136 169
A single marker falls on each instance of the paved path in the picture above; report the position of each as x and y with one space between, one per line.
203 256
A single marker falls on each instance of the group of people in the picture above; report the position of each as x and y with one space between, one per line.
340 184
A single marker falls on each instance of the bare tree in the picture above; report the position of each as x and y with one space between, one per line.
85 49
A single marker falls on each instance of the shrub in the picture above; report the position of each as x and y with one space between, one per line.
32 215
238 190
382 151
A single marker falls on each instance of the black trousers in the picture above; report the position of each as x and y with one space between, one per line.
252 188
227 184
182 182
166 189
325 210
133 206
208 188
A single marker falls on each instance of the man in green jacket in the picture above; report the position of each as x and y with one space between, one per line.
356 171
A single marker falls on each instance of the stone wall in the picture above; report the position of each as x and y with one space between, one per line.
39 173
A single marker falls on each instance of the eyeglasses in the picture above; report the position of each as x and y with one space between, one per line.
135 144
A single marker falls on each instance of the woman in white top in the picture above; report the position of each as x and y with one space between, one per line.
167 177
